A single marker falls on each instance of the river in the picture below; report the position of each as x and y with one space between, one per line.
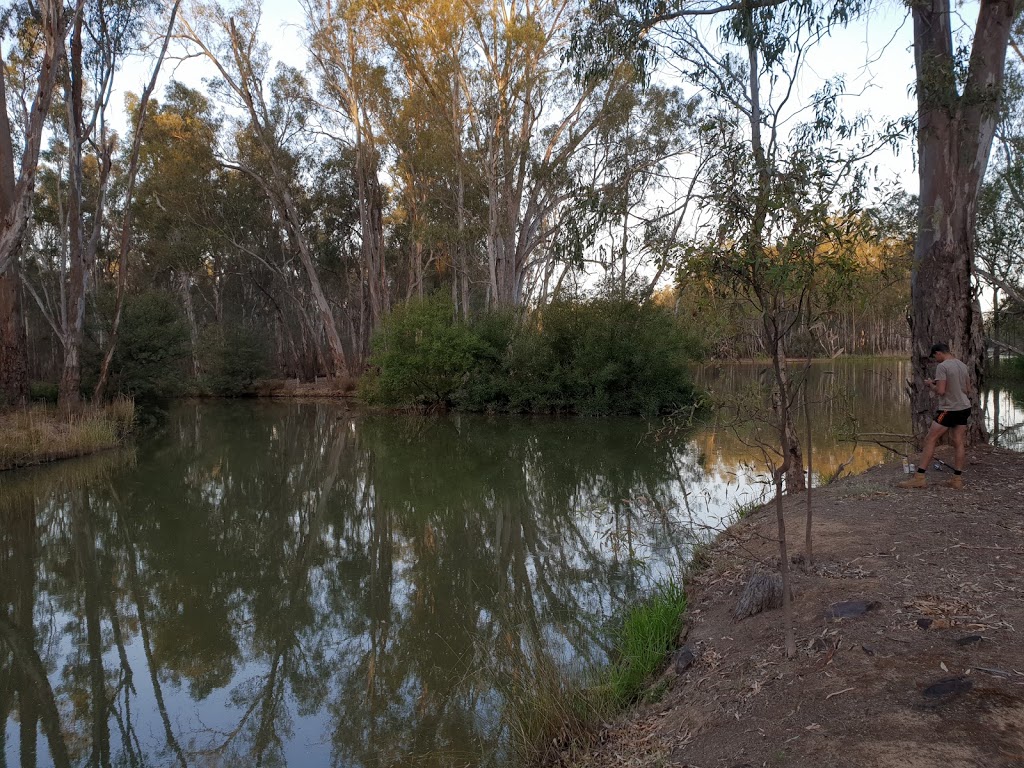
307 584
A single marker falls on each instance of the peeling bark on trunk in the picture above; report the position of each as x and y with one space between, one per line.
185 289
17 195
955 135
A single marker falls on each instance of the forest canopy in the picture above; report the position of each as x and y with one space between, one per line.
474 160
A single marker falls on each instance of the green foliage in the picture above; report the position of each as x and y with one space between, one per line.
647 635
1009 370
421 356
233 359
153 347
43 392
597 356
551 712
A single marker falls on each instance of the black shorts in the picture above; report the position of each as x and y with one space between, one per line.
953 418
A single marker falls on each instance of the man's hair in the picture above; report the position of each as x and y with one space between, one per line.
940 347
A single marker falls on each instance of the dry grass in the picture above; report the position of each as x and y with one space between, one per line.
40 434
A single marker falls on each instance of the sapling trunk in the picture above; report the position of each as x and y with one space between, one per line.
787 603
810 470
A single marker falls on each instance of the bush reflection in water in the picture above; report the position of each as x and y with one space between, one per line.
300 584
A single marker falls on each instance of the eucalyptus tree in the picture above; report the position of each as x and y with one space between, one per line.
102 37
438 181
346 52
1000 236
124 241
528 121
28 76
179 202
640 170
957 89
957 114
275 108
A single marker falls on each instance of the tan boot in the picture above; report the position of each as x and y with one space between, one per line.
956 483
917 481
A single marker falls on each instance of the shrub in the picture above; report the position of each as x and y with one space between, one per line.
422 355
595 357
153 347
233 359
43 392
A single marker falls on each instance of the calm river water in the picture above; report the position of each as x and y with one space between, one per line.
302 584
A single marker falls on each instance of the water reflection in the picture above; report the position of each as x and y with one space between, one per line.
299 584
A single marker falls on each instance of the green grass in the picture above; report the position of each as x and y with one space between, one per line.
647 635
40 433
551 712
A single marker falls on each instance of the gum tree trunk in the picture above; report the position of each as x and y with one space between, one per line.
955 135
13 345
16 194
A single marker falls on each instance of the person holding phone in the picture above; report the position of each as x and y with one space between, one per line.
952 385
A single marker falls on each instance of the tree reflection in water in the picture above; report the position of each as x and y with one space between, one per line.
273 584
299 584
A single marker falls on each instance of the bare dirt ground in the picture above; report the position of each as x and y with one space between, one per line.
931 675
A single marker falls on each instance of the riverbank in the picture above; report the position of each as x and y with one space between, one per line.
931 674
42 434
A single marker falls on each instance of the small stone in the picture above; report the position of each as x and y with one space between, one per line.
684 659
969 640
924 623
953 686
850 609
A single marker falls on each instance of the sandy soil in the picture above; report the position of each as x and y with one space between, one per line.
932 675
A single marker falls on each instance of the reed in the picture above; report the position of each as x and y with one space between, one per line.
553 713
42 433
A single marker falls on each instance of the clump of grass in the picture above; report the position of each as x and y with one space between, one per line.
551 711
744 509
41 433
647 635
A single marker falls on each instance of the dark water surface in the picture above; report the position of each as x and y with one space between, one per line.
285 583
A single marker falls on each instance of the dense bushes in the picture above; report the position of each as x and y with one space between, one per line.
597 356
232 359
154 345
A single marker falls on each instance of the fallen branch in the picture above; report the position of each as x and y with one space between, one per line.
845 690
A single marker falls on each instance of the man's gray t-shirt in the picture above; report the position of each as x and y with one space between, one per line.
957 379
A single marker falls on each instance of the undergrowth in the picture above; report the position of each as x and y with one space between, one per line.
551 712
42 433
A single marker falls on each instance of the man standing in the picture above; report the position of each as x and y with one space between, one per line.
952 384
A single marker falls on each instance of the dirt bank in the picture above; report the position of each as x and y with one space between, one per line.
931 675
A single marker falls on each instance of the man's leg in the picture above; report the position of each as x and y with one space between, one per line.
960 448
927 451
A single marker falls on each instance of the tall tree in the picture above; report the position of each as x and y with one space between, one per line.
231 42
957 109
48 19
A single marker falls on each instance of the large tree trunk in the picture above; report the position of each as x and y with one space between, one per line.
13 344
954 139
16 204
16 195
